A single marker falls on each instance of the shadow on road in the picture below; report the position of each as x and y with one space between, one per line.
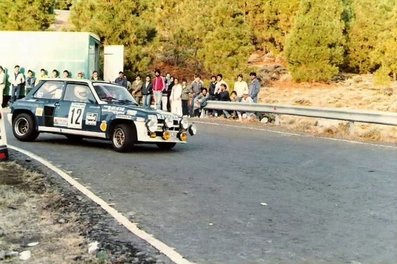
102 144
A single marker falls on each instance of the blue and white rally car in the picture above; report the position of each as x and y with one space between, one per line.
91 109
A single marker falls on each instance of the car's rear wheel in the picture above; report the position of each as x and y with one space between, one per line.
23 127
123 138
166 146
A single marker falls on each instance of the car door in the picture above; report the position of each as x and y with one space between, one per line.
78 112
47 97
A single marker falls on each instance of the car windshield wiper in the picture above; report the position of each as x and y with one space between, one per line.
126 101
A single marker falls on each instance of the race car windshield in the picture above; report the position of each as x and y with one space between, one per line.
113 93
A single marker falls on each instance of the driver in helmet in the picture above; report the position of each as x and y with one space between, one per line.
81 93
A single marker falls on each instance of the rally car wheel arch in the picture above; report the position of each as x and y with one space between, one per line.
123 137
24 127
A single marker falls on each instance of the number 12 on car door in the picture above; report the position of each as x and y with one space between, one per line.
75 116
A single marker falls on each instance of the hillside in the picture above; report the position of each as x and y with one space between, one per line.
356 92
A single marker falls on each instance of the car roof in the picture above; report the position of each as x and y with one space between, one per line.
76 80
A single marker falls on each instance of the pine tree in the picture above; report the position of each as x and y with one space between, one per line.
227 45
125 23
26 14
314 49
368 19
270 21
385 52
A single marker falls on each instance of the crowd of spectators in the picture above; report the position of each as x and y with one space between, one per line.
168 93
20 83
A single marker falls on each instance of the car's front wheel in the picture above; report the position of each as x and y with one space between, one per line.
166 146
123 138
23 127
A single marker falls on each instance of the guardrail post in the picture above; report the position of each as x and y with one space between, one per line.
351 127
277 121
3 139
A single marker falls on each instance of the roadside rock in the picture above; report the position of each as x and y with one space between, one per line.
93 247
25 255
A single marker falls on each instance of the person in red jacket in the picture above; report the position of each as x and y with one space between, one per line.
158 87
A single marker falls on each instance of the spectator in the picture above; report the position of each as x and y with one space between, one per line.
80 75
158 87
197 86
254 87
94 76
186 91
199 102
55 74
147 89
2 84
175 98
169 82
136 90
17 80
42 76
219 82
212 88
169 90
234 98
240 86
248 100
121 80
224 96
30 82
66 74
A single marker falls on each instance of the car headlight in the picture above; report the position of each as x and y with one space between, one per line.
168 122
192 130
184 123
152 124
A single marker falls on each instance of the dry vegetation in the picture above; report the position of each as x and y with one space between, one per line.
357 92
26 217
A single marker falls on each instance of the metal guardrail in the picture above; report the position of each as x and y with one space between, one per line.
383 118
3 138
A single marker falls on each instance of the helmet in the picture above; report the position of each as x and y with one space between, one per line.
81 92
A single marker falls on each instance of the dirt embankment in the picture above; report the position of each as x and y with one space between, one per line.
355 92
44 220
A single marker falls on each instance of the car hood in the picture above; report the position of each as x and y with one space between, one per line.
130 110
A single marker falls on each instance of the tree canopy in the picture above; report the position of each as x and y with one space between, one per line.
318 39
26 14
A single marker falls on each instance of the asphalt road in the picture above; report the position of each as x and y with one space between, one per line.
243 196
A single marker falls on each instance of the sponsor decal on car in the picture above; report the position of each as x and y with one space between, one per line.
124 117
113 109
103 126
39 111
75 116
61 121
131 112
91 119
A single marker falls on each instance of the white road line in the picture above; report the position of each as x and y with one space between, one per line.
296 134
132 227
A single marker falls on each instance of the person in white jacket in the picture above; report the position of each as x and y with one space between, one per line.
175 98
241 87
17 80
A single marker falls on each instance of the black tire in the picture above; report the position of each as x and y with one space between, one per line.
166 146
24 127
74 138
123 137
